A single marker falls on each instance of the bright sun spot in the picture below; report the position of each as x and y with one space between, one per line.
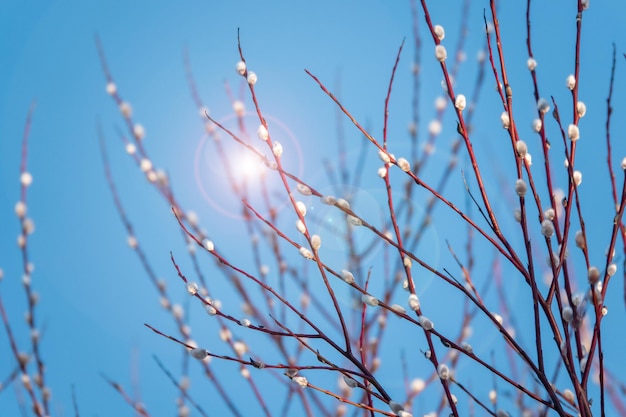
248 168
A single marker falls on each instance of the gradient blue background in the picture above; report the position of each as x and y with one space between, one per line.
94 295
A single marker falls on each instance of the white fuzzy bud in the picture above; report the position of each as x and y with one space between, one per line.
20 209
434 127
570 82
517 215
404 164
199 353
139 131
440 32
440 53
460 102
347 276
301 207
111 88
252 78
300 380
577 176
467 347
209 245
520 187
263 133
131 148
537 125
543 105
239 108
241 67
353 220
192 288
384 156
521 148
303 189
132 242
567 314
300 226
441 103
126 109
547 228
277 149
407 262
581 109
307 254
316 242
506 121
611 270
26 179
414 302
443 371
418 385
593 275
382 172
531 63
369 300
398 309
426 323
573 132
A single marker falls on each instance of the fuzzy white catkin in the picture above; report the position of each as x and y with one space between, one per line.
369 300
580 239
20 209
404 164
434 127
301 207
443 371
209 245
531 63
543 106
300 380
593 275
426 323
581 108
303 189
567 314
414 302
549 213
440 32
126 109
520 187
316 242
573 132
252 78
537 125
384 156
300 226
277 149
623 164
263 133
198 353
570 82
131 148
239 108
347 276
111 88
521 148
382 172
26 179
460 102
139 131
241 68
547 228
307 254
611 270
506 121
192 288
440 53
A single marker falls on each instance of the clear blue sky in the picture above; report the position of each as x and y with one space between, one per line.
95 296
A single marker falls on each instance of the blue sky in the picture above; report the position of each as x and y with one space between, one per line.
95 296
